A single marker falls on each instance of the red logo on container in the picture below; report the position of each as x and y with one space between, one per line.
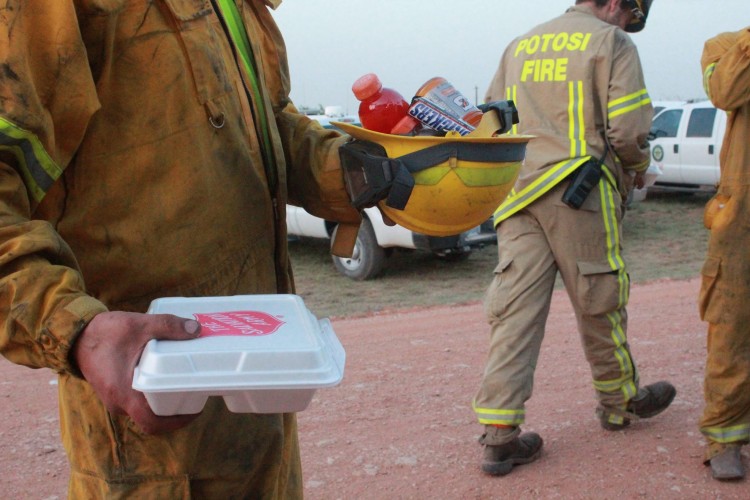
245 323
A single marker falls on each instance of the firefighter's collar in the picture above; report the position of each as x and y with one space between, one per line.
585 8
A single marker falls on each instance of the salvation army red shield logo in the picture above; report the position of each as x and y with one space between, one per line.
243 323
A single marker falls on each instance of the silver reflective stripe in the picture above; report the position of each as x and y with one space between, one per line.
490 416
707 78
38 169
626 382
728 434
628 103
517 200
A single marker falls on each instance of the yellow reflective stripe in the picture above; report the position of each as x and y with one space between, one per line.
576 125
430 176
616 419
626 382
571 119
478 177
727 434
628 103
471 177
611 226
707 77
511 94
490 416
608 175
517 200
38 170
614 384
640 167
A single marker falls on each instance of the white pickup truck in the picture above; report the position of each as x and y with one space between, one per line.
685 144
376 241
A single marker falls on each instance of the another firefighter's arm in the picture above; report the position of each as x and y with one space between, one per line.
726 69
629 110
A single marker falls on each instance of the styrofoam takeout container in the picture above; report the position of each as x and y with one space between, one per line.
261 353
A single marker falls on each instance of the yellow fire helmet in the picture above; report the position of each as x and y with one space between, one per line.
458 181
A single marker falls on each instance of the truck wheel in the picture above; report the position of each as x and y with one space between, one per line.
368 258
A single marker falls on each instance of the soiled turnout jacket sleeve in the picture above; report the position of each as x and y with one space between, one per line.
726 66
628 119
47 97
726 70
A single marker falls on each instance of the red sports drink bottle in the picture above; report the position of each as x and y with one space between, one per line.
381 108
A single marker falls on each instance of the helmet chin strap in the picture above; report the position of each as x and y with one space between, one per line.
637 12
639 9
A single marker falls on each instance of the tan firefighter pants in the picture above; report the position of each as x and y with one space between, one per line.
724 304
584 247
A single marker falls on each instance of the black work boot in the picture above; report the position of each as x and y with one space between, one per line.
500 459
727 465
648 402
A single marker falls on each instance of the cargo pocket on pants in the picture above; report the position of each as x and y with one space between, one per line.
496 298
600 288
709 306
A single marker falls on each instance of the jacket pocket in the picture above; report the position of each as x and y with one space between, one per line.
715 208
205 44
709 303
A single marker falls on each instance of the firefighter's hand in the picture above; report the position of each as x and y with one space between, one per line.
107 352
639 180
367 170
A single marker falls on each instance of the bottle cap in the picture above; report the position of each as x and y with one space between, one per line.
366 86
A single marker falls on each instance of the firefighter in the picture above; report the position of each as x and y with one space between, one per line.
724 288
148 148
579 88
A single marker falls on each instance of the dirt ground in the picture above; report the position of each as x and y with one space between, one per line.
401 426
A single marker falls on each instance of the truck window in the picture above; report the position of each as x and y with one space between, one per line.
667 123
701 123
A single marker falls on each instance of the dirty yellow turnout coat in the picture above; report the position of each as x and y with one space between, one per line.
139 159
725 287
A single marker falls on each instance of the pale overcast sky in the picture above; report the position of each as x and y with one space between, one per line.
406 42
